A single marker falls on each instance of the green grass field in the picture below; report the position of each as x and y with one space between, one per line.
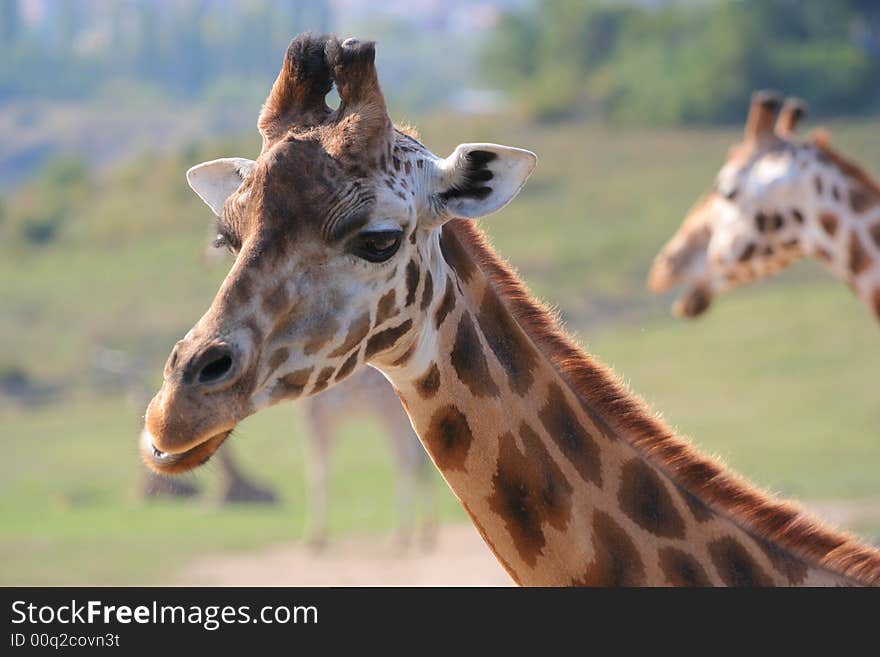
779 379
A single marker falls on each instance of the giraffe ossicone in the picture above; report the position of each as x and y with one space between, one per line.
776 199
354 246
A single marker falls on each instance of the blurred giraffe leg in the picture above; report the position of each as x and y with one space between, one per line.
317 472
405 484
427 494
236 487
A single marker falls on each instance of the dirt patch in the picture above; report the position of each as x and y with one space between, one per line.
460 558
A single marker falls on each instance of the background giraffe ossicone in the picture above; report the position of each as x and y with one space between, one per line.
776 199
355 244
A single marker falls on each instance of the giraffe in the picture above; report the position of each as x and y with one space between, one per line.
355 244
776 199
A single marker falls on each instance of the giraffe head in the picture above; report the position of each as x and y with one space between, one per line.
749 226
330 227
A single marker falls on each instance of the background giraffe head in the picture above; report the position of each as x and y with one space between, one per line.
775 199
332 229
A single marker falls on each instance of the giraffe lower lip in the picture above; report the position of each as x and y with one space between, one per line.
174 463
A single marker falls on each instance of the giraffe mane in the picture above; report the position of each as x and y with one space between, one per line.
821 140
408 129
725 492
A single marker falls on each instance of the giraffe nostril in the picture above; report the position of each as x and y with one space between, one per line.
217 364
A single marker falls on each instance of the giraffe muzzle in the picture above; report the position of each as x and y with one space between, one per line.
206 392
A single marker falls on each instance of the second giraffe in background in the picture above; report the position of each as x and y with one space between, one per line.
369 393
776 199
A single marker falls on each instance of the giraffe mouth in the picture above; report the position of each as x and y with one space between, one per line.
179 462
693 302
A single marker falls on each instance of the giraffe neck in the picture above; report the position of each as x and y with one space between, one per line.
841 226
567 478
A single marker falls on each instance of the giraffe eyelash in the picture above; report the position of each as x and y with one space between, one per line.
730 194
222 241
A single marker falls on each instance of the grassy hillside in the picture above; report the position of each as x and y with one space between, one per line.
779 379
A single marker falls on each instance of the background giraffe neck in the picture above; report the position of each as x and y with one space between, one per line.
547 453
842 223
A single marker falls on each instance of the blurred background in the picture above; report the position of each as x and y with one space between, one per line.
631 106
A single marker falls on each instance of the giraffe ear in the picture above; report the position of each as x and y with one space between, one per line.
215 181
479 179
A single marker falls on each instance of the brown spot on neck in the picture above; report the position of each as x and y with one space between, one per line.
447 303
681 568
469 362
647 501
509 344
735 565
563 427
529 489
455 255
859 260
449 438
616 561
698 508
385 340
428 384
788 565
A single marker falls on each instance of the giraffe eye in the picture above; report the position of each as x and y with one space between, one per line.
727 191
377 246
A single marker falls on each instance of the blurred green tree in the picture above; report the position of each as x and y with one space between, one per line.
686 62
